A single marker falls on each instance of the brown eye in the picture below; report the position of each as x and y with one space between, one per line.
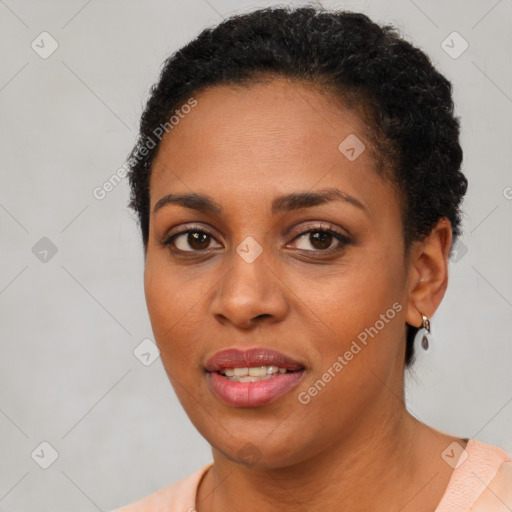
190 241
321 240
198 240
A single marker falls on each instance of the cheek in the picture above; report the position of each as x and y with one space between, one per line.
173 308
356 365
362 315
356 296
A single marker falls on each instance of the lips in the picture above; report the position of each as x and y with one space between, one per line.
234 358
252 394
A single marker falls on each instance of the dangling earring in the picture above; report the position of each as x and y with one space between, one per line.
425 342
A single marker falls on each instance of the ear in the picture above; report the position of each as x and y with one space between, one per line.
428 272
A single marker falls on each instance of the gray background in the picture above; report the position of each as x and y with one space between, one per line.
70 321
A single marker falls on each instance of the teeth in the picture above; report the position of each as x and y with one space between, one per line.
241 372
249 378
258 371
252 374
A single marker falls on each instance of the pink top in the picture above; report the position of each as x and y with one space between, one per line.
480 482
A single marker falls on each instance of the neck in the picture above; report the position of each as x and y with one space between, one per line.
374 468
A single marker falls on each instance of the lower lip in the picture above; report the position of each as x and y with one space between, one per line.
252 394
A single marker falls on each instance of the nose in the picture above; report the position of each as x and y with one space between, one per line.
248 294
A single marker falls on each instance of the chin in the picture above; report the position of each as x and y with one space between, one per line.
264 451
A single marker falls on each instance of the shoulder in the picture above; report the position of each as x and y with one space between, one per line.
481 480
497 497
179 496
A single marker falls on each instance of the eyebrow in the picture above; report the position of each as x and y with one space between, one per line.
284 203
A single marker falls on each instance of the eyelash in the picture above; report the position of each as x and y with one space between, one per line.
342 239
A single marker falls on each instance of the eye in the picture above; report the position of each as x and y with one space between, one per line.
191 240
321 240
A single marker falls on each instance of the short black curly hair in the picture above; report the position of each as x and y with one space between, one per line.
408 103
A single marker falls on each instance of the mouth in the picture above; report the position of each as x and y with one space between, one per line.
252 378
253 373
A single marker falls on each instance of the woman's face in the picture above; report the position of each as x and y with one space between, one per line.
320 282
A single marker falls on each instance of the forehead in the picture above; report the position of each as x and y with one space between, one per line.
288 118
268 137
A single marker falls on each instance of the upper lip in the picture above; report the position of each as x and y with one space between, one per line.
236 358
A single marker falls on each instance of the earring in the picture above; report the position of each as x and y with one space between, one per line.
426 326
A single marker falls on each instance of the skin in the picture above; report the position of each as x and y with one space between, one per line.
354 443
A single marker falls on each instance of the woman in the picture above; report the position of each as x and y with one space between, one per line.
297 181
